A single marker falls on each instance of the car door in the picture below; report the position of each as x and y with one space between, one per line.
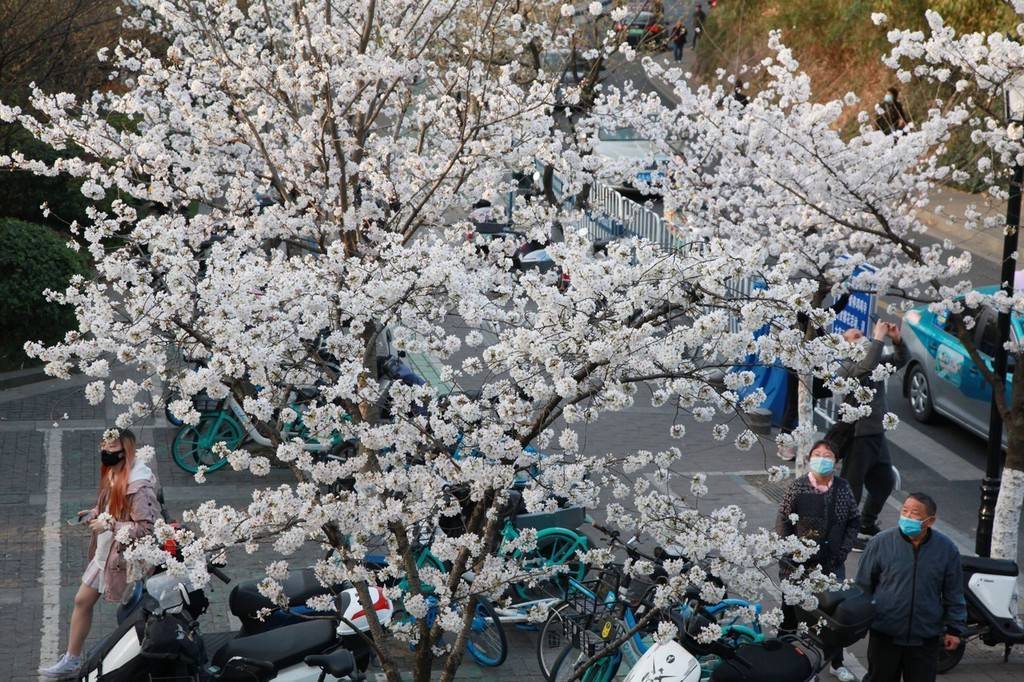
977 390
951 368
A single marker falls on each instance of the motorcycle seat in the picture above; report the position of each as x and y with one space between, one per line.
978 564
829 601
281 647
338 663
770 661
245 600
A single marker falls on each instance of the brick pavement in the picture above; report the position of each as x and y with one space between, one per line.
51 406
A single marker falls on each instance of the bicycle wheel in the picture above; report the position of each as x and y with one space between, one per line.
555 547
193 445
487 642
571 658
554 636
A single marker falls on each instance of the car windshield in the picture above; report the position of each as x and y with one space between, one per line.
625 134
643 19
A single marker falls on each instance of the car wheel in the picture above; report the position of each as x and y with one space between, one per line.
919 393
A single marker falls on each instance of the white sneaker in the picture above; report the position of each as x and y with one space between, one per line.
843 674
67 667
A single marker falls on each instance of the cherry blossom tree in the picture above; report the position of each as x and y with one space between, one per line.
777 181
373 126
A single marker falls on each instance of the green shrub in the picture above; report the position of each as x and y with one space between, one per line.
33 258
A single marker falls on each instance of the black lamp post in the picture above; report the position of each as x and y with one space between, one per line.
1014 101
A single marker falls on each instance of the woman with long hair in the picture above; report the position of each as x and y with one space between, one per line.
127 505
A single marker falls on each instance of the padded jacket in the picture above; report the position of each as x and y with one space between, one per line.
918 592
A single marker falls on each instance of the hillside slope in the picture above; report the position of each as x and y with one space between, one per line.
837 44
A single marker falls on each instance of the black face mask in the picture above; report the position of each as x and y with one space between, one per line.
111 458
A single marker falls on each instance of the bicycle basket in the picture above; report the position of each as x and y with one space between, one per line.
593 620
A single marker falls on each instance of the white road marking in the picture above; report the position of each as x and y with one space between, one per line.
754 492
50 571
157 394
934 455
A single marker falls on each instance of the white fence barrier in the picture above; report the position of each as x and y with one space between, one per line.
611 215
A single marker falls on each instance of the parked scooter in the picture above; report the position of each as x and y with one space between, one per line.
846 616
991 593
159 637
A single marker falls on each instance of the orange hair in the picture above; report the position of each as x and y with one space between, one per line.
114 480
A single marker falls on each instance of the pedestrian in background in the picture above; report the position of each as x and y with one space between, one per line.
894 116
825 511
678 38
914 575
739 95
698 23
127 501
866 459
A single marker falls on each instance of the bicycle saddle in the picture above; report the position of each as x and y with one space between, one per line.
338 663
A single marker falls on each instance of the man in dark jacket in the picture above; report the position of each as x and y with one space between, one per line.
913 573
698 23
866 460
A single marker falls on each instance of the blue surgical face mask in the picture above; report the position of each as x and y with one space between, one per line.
910 527
823 466
888 98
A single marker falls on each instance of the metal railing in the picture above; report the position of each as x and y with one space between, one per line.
610 215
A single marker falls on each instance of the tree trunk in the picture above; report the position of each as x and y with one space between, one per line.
1007 516
805 395
1006 522
805 421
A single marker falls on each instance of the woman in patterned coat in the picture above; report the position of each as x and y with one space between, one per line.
820 506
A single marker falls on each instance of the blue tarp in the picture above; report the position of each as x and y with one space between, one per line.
773 380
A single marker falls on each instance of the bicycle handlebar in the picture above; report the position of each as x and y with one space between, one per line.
633 552
218 574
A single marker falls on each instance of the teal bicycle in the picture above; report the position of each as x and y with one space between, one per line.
226 422
597 613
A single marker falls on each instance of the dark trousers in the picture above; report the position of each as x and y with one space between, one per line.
677 51
869 465
791 411
891 662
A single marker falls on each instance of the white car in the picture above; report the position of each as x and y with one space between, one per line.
645 158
